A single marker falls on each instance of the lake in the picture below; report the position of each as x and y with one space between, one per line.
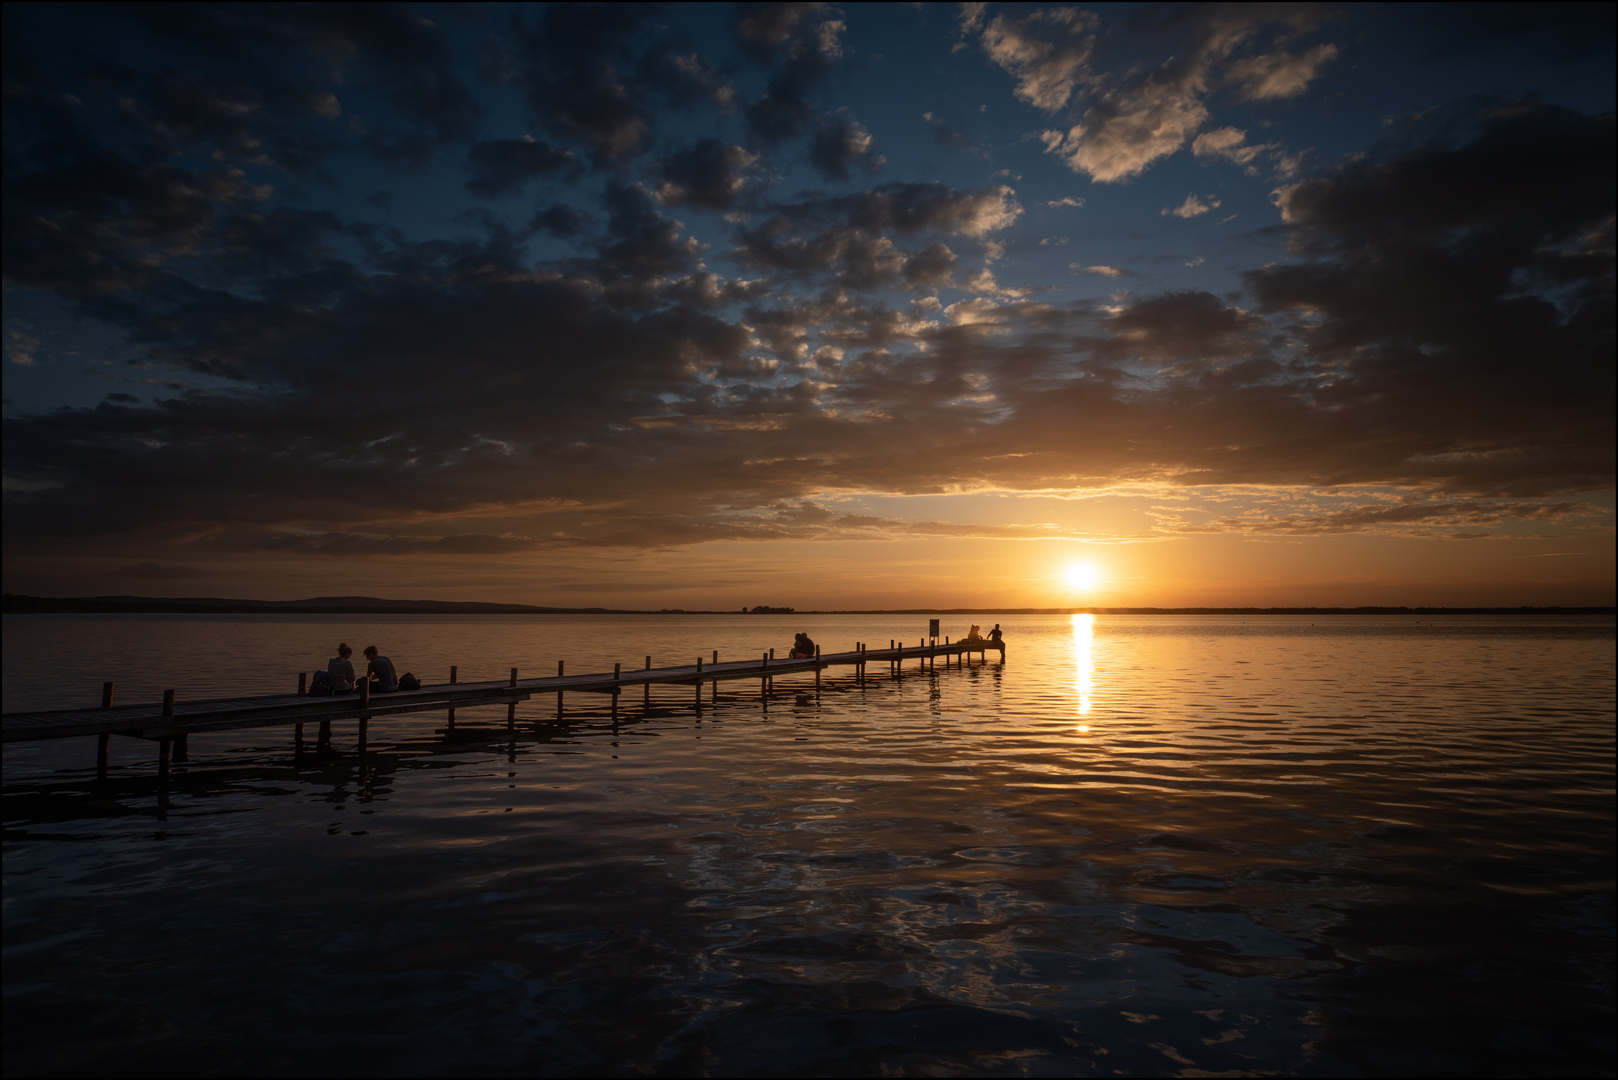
1143 845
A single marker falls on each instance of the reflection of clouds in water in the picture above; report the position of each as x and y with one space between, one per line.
1083 663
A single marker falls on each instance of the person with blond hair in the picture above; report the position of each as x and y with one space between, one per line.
340 670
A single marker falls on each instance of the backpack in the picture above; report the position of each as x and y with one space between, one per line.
408 681
320 685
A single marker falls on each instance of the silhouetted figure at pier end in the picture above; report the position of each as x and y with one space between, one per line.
802 647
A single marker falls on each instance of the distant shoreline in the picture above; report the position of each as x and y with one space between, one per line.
17 604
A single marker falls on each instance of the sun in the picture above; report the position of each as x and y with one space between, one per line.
1083 576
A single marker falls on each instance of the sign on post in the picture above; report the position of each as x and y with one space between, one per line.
932 628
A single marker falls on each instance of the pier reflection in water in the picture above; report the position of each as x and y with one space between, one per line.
1369 845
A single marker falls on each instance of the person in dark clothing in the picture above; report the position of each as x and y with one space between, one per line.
994 635
379 670
803 648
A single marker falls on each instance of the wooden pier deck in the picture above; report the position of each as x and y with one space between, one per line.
169 722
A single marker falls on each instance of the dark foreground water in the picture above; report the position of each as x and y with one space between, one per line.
1143 846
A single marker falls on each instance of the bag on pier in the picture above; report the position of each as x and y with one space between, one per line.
320 685
408 681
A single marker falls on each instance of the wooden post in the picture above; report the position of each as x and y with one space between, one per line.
764 680
511 715
104 740
323 737
180 753
297 737
303 683
454 674
168 703
165 747
646 687
513 676
365 714
616 675
699 686
817 667
558 669
716 656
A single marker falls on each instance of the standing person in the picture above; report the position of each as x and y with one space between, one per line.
384 680
340 670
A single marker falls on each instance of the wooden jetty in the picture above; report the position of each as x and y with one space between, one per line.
170 721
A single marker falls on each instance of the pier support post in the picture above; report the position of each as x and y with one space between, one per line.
297 738
646 688
104 740
303 683
454 673
699 686
180 751
817 667
165 747
365 713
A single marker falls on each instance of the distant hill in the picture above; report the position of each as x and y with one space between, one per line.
16 604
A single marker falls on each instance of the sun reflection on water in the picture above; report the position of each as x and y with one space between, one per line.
1083 663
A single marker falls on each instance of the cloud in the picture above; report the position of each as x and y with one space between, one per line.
1278 74
707 174
1101 271
1066 200
838 145
151 571
503 167
799 51
1134 115
1046 51
1192 207
575 66
1228 144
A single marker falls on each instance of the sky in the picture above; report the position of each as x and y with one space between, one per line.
812 305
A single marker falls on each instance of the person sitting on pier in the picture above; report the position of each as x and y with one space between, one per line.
340 670
974 635
994 635
384 679
803 648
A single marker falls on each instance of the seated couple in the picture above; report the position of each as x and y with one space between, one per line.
379 671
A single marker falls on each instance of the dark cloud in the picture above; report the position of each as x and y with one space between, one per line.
560 220
503 167
707 174
838 145
151 571
1463 291
800 49
763 29
575 64
931 268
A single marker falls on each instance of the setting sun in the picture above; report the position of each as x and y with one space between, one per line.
1083 576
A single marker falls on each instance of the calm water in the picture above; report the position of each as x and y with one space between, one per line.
1143 846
